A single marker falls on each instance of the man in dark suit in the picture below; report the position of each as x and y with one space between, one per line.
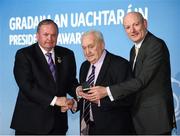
43 82
153 110
106 117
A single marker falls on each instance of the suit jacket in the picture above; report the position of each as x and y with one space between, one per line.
153 111
110 117
37 89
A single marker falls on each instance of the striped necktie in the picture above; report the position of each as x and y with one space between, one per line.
86 105
51 65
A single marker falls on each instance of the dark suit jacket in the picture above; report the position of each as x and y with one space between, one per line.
37 89
111 117
153 109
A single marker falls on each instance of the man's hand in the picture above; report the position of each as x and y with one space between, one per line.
69 105
78 91
61 101
96 93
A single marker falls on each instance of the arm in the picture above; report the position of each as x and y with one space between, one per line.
146 69
120 71
73 82
26 79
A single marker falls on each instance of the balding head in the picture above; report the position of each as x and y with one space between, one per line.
135 26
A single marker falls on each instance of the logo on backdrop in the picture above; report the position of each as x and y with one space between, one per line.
176 95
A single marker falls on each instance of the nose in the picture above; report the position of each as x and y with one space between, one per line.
86 51
49 37
132 29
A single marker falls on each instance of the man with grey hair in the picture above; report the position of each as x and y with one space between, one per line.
103 68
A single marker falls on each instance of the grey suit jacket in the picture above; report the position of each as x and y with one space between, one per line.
153 111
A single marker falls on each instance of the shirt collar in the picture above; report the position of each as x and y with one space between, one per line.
44 51
138 45
101 59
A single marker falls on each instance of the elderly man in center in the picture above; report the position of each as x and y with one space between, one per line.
103 68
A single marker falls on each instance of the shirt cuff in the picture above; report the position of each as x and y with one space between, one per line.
74 108
109 94
53 101
78 89
99 103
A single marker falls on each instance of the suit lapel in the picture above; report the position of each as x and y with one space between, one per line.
59 64
85 72
139 58
42 60
103 69
102 72
132 56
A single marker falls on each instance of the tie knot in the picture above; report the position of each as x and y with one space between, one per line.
93 67
91 77
136 50
48 54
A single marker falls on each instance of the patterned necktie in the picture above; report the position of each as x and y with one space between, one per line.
51 65
86 107
90 81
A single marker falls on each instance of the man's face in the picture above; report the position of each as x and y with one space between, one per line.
92 49
47 36
135 27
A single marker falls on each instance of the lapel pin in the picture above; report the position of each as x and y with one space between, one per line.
59 59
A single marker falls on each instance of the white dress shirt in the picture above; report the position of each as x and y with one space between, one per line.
53 57
98 66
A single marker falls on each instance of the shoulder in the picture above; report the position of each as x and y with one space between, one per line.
153 44
151 38
118 66
117 62
85 64
63 50
116 59
27 49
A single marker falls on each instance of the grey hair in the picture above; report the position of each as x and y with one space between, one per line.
46 22
98 35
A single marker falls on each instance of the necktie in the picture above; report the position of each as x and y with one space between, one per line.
136 53
86 106
51 65
87 103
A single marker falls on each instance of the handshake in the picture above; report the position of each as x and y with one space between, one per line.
64 103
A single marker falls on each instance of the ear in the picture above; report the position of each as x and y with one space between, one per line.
145 23
103 45
37 36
